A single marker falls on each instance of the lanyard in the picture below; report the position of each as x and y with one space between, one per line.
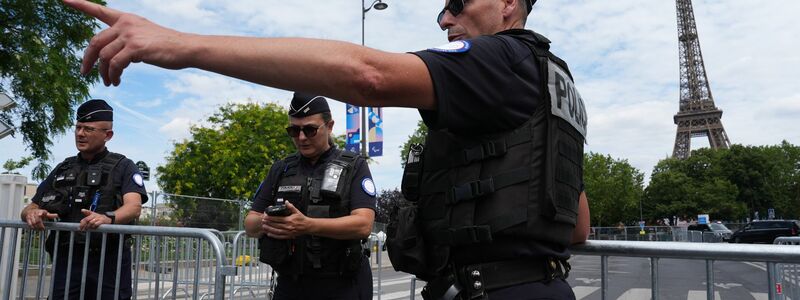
95 199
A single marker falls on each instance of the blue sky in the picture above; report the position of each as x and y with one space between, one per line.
622 53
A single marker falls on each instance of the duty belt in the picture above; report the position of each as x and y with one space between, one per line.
473 281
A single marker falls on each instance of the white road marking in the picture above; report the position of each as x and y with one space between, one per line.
701 295
635 294
400 295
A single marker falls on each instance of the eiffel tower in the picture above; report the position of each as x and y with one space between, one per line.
697 116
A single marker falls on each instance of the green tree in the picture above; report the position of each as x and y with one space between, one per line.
38 61
614 189
388 202
767 177
11 165
228 160
418 137
729 184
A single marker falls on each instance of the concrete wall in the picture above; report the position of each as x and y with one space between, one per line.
12 189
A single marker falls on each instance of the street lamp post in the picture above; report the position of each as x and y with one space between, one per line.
379 5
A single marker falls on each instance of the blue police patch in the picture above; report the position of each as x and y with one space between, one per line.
453 47
368 186
138 180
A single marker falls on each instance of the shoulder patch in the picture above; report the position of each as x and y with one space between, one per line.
138 180
368 186
453 47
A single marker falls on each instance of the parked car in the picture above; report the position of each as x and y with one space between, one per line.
717 228
765 231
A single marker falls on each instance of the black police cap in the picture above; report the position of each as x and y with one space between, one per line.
304 105
95 110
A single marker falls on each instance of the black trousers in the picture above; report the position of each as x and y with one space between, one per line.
357 287
92 274
556 289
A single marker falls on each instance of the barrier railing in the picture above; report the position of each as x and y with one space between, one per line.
196 259
710 252
199 262
787 272
253 277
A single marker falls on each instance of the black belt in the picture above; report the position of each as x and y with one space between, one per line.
472 281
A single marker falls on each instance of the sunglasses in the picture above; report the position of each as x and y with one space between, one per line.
455 7
309 130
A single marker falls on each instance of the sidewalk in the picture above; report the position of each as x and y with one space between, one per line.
385 263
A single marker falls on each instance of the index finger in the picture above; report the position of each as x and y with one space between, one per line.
102 13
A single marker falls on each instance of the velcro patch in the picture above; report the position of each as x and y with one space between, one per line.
290 188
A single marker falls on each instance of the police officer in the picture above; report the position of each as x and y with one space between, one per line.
313 211
499 182
95 187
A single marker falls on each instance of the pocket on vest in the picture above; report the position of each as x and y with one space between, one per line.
405 243
273 251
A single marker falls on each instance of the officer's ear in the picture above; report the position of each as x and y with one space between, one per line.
330 125
109 135
510 8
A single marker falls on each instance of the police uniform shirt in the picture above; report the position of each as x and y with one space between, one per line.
122 174
334 288
491 85
359 198
487 85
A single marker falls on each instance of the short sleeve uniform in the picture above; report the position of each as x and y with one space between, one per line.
362 195
491 85
126 179
494 85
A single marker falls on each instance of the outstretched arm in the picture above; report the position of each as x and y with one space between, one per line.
340 70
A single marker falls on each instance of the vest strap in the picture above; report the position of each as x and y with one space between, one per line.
316 251
463 236
492 148
477 188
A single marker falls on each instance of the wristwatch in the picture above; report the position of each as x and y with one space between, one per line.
111 215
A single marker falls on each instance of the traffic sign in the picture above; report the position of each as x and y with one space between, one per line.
143 169
702 219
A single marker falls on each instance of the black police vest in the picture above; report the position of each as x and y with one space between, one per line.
522 185
78 186
312 255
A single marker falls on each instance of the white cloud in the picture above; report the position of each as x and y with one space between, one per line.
177 129
149 104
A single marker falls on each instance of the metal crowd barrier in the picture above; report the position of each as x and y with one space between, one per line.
710 252
257 280
789 273
253 277
195 259
703 237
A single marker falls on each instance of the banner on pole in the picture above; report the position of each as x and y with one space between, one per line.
353 135
375 131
